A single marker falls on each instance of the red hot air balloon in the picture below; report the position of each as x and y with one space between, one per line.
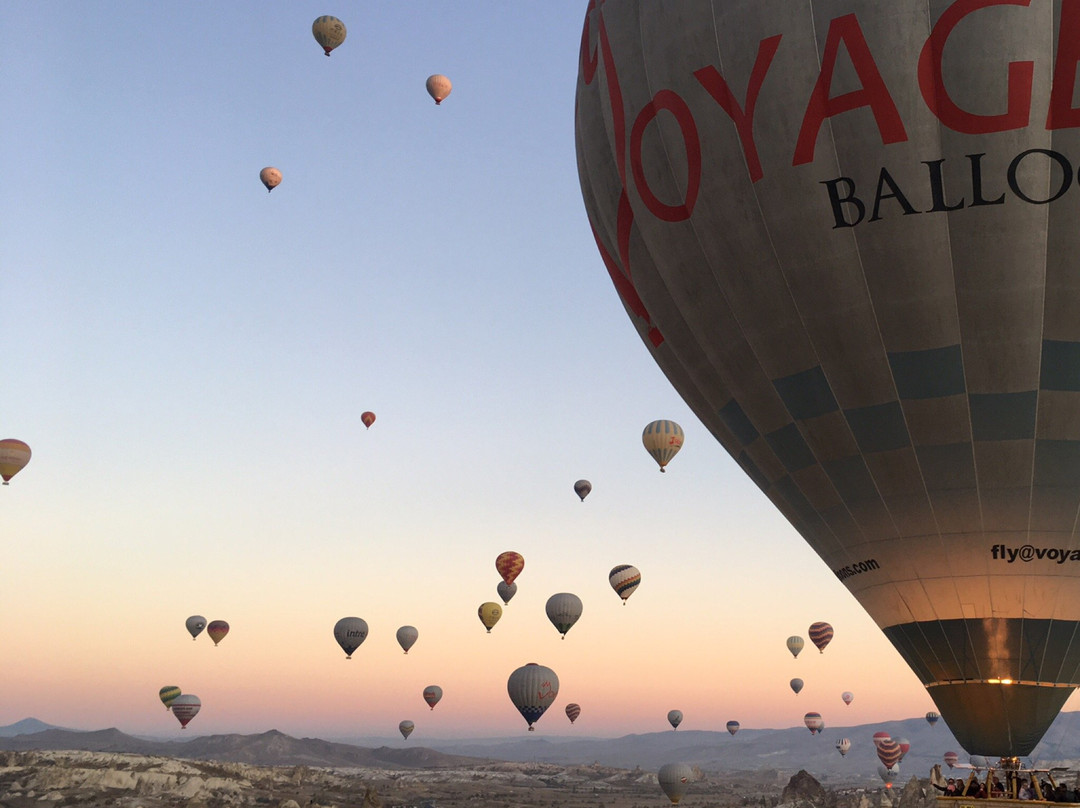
950 758
368 418
509 565
821 634
881 736
216 630
889 752
905 746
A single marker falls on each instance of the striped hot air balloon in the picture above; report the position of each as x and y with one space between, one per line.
932 718
795 644
821 634
662 440
14 455
842 746
881 736
573 710
814 722
889 752
733 726
624 579
216 630
168 695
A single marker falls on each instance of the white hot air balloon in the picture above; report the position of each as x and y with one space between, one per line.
532 689
195 624
843 746
674 718
563 610
406 728
185 707
673 779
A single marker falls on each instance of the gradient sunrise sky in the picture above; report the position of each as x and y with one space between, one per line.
189 356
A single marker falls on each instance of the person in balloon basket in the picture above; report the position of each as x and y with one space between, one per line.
1025 791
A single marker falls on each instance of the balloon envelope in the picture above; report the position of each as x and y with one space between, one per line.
674 718
532 689
216 630
270 177
563 610
847 697
406 637
795 644
624 579
573 710
932 718
367 418
168 695
814 722
733 727
506 591
881 736
842 746
821 634
406 728
888 773
662 440
582 488
950 758
185 707
889 752
796 685
350 633
489 614
509 565
14 455
432 695
195 624
438 87
673 779
328 32
905 746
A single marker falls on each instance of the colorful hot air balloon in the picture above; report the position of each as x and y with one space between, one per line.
796 685
367 418
673 779
168 695
432 695
573 710
950 758
270 177
406 637
905 746
509 565
846 235
889 752
438 87
674 718
563 610
932 718
881 736
489 614
662 440
795 644
624 579
821 634
888 773
532 689
406 728
185 707
216 630
814 722
733 727
328 32
582 488
506 591
195 624
14 455
847 697
350 633
842 746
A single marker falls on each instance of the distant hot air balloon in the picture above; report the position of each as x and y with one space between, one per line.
506 591
489 614
185 707
350 633
733 727
978 761
624 579
582 488
328 32
406 636
796 685
842 746
438 87
406 728
563 610
847 697
367 418
950 758
14 455
881 736
673 779
216 630
905 746
432 695
795 644
932 718
532 689
509 565
821 634
674 718
814 722
662 440
888 773
889 752
195 624
847 237
573 710
270 177
168 695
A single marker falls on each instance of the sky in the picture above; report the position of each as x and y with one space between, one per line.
188 357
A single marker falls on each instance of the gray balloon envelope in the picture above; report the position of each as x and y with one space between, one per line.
673 779
506 591
195 624
350 633
406 637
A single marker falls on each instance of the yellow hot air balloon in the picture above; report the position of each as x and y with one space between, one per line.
662 440
489 614
438 87
14 455
328 32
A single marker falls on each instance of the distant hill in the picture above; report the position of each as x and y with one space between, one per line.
25 727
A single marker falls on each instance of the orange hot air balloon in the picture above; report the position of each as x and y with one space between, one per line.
14 455
368 418
509 565
270 177
438 87
216 630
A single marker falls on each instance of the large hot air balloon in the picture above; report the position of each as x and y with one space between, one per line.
438 87
270 177
563 610
406 728
889 752
821 634
168 695
216 630
350 633
662 440
795 644
843 746
195 624
846 233
814 722
14 455
932 718
582 488
489 614
328 32
185 708
624 579
367 419
733 727
847 697
674 718
406 637
509 565
432 695
673 779
532 689
506 591
573 710
796 685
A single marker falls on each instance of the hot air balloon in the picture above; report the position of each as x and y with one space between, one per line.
168 695
662 440
506 591
563 610
328 32
733 727
674 718
978 761
270 177
216 630
889 752
350 633
195 624
367 418
489 614
509 565
842 746
905 746
673 779
14 455
438 87
795 644
950 758
573 710
406 637
406 728
881 736
582 488
185 707
846 235
796 685
821 634
814 722
532 689
432 695
888 773
624 579
847 697
932 718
